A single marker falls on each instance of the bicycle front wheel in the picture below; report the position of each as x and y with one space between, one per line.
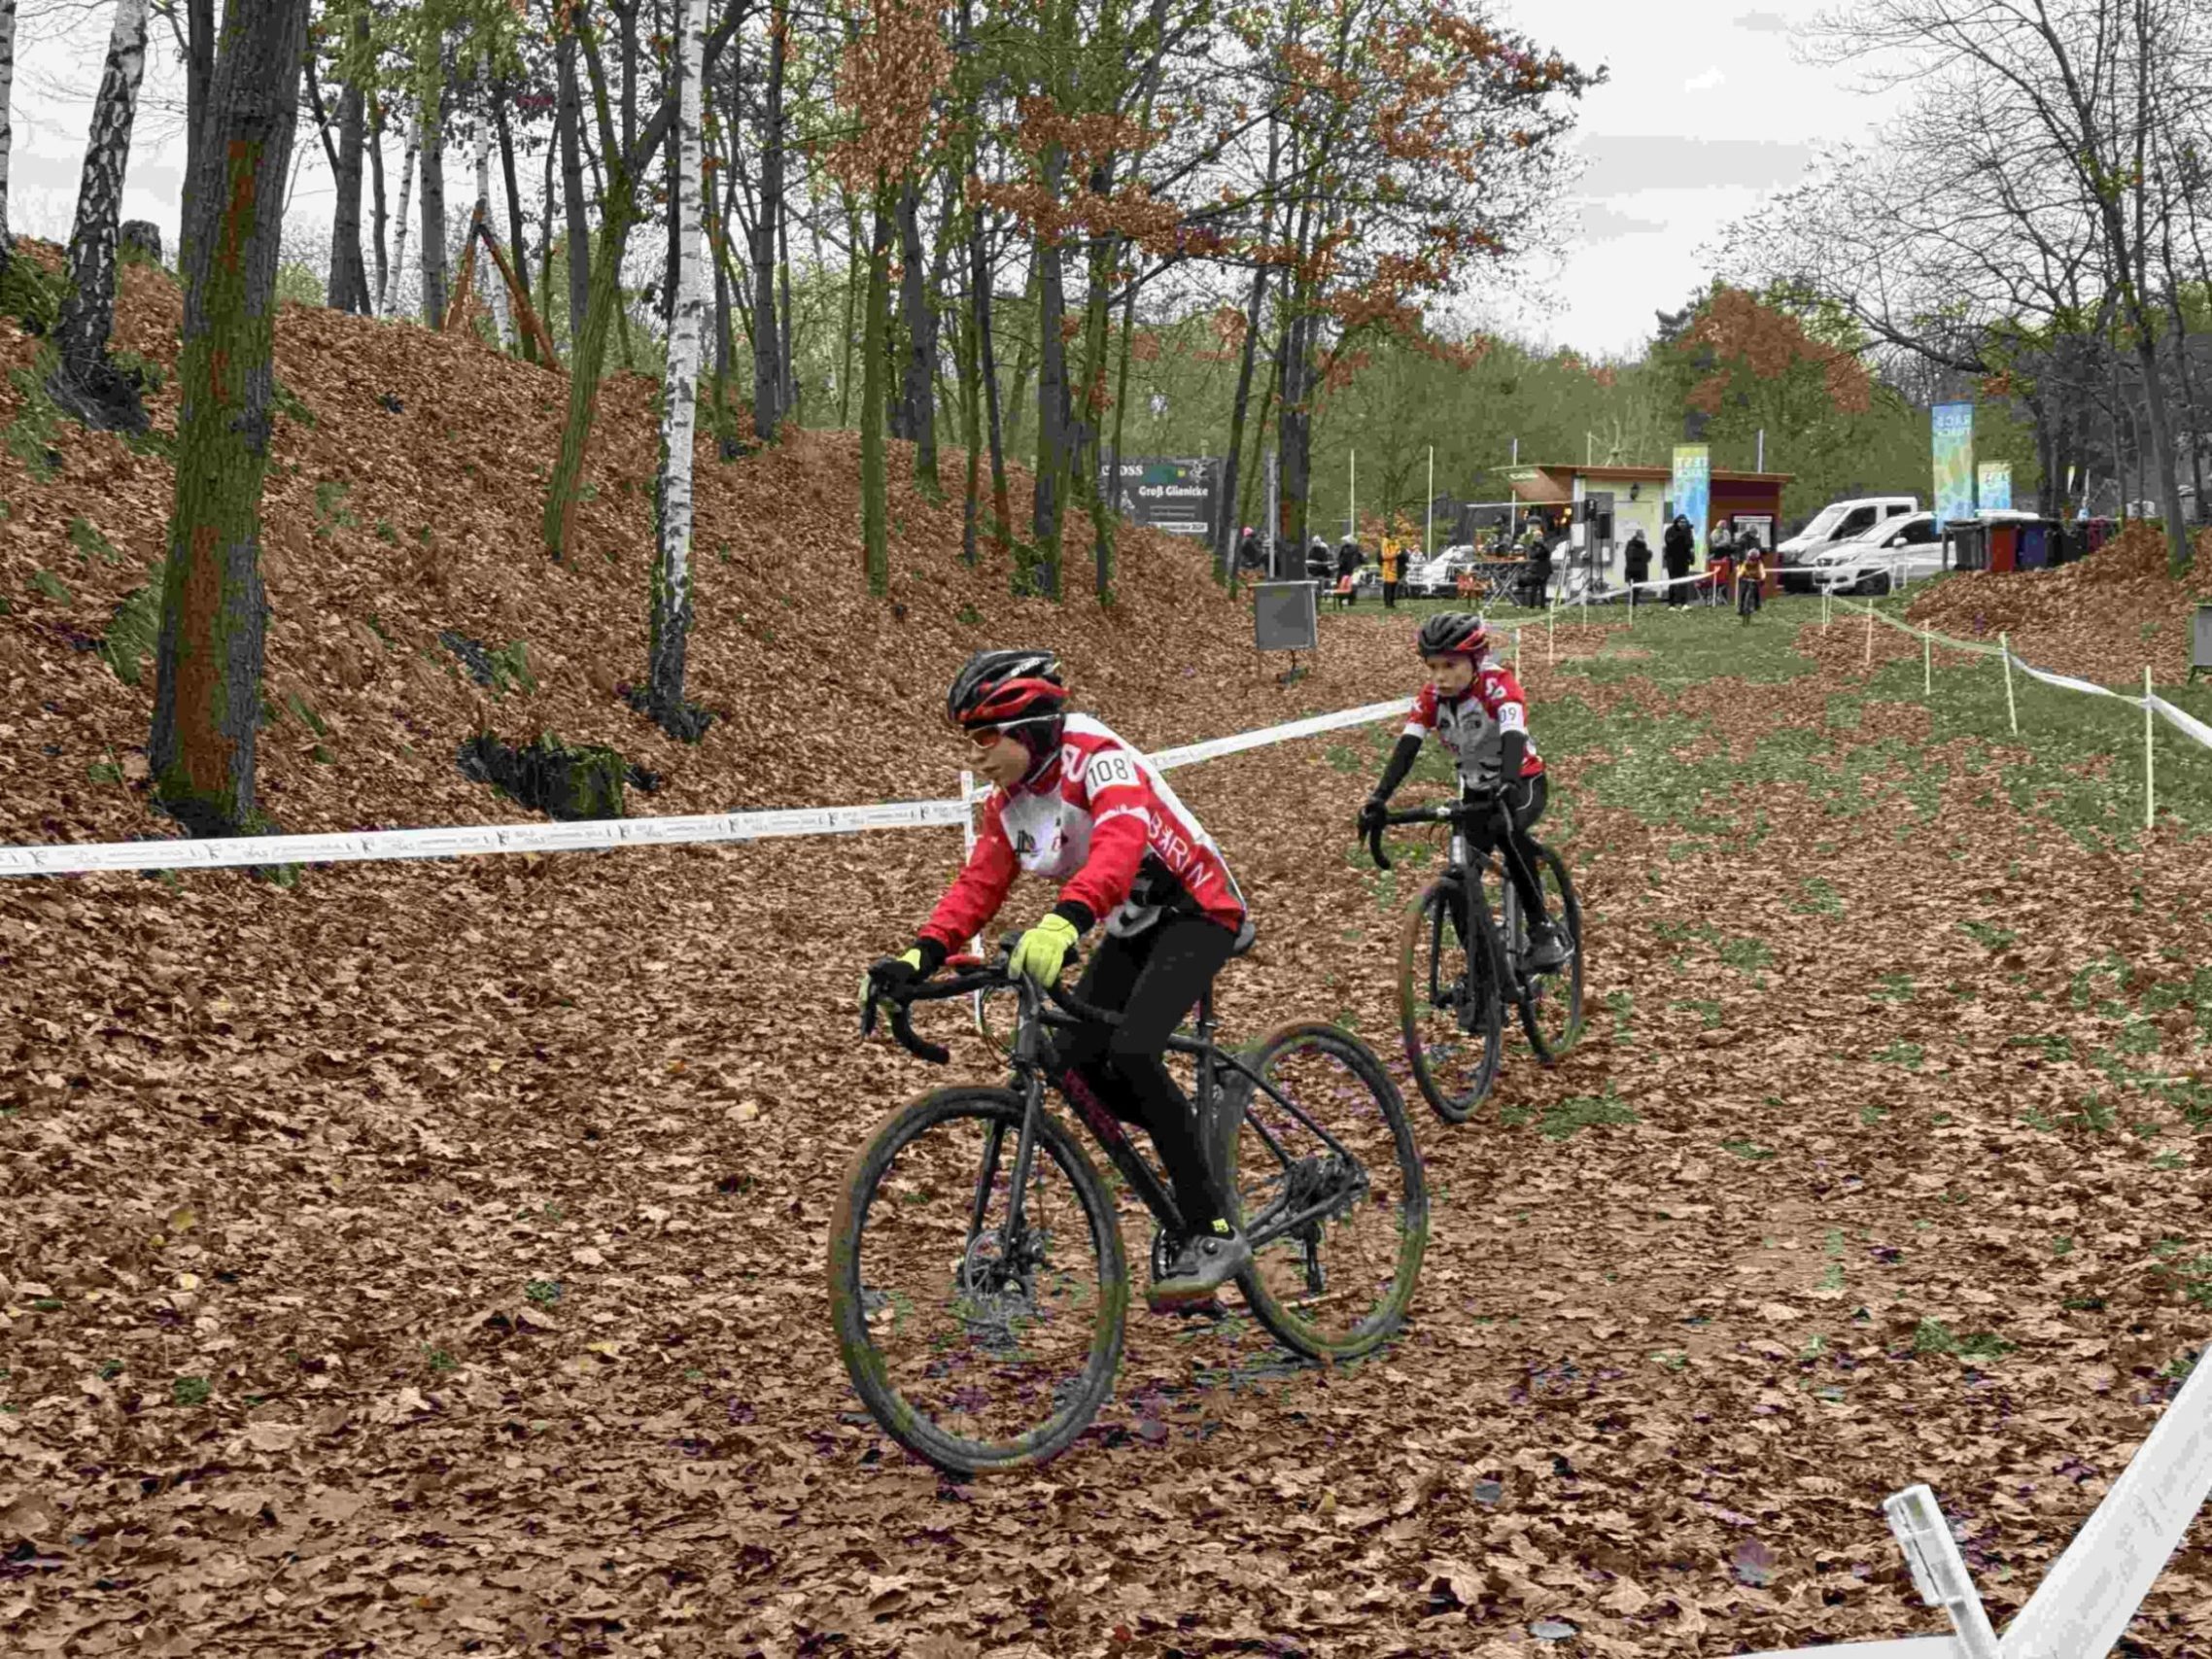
1448 1002
1329 1189
1551 1004
979 1341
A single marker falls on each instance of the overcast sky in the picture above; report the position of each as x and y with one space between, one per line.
1707 113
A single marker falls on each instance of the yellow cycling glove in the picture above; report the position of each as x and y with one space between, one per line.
1042 951
891 974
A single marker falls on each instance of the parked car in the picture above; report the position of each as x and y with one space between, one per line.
1837 523
1895 550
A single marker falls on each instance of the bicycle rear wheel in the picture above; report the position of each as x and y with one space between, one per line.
1550 1004
1329 1189
976 1345
1448 1002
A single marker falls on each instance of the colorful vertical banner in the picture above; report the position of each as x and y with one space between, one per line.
1692 488
1996 486
1953 425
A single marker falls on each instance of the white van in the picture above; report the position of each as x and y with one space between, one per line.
1837 522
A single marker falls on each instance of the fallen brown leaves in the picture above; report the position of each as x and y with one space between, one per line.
429 1256
2103 618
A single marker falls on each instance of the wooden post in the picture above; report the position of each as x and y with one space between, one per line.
464 288
1927 665
2011 709
520 295
1869 663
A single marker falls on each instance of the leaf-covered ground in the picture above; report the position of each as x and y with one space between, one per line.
425 1257
428 1257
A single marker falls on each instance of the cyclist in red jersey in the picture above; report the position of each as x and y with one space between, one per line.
1475 707
1076 804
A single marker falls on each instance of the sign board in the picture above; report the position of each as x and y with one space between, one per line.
1996 483
1692 489
1177 495
1286 616
1952 428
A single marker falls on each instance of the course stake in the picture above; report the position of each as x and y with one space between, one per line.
2149 804
2011 709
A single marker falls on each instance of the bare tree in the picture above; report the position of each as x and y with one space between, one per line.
2090 87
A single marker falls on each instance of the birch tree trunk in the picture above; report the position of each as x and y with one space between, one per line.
84 383
7 132
389 302
207 676
670 620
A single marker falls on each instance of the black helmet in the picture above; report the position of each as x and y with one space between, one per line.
1452 634
998 687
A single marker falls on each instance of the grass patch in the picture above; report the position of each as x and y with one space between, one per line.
1933 1336
32 433
1585 1112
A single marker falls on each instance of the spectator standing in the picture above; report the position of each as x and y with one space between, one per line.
1675 552
1391 558
1636 561
1349 559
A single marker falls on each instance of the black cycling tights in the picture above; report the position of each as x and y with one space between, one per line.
1152 981
1525 801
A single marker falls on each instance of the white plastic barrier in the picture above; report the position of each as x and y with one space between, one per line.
2093 1591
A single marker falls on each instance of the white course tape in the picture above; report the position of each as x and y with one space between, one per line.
181 854
192 854
1308 728
2068 682
2182 721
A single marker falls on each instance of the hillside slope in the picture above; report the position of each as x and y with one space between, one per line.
2103 618
386 527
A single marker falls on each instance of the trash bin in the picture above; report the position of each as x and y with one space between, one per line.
2004 547
2200 646
1966 544
2035 545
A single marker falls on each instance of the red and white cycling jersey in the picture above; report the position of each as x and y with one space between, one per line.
1099 813
1474 724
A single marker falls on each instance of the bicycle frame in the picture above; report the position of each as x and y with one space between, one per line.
1030 1073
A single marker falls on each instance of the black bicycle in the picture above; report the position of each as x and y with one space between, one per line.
1451 999
977 1277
